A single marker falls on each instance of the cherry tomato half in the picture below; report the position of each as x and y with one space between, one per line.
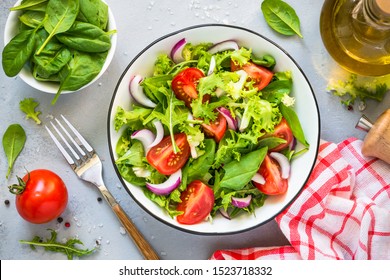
197 203
184 85
163 158
216 129
282 130
261 76
44 197
274 183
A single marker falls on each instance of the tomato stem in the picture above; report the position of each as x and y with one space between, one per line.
20 187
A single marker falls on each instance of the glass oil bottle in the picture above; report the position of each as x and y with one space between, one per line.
356 34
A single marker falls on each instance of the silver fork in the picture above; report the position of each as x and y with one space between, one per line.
87 165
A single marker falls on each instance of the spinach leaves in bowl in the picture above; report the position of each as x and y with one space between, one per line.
61 42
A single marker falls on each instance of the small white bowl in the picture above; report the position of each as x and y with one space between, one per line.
12 28
305 107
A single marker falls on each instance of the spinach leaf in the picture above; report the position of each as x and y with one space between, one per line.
51 60
13 143
61 15
281 17
85 37
276 90
32 18
17 52
266 61
292 119
28 4
94 12
271 142
240 173
79 71
198 168
49 63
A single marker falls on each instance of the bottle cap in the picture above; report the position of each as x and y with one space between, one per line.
383 6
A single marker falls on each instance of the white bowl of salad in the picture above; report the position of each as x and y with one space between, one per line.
65 53
213 129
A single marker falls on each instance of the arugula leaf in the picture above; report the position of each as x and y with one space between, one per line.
68 248
239 173
281 17
28 106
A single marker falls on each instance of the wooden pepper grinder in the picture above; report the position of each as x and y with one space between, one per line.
377 141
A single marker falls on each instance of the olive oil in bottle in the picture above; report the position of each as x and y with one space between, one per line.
356 34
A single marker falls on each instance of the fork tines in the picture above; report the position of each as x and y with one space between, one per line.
84 150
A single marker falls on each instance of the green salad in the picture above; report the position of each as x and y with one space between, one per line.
213 130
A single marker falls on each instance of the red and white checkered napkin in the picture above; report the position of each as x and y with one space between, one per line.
343 211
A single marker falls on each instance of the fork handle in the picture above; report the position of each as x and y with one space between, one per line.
143 246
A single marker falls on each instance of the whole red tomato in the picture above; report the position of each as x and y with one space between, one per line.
41 196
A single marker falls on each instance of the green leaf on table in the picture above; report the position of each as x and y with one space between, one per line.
13 143
68 248
281 17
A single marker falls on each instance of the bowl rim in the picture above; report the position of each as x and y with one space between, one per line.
52 87
109 126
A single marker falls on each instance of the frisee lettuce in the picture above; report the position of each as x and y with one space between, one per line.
356 88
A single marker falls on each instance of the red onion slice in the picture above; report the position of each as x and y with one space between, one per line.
224 213
141 172
159 134
145 136
137 92
293 143
168 186
176 52
283 162
241 202
258 178
231 122
219 92
224 46
212 66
